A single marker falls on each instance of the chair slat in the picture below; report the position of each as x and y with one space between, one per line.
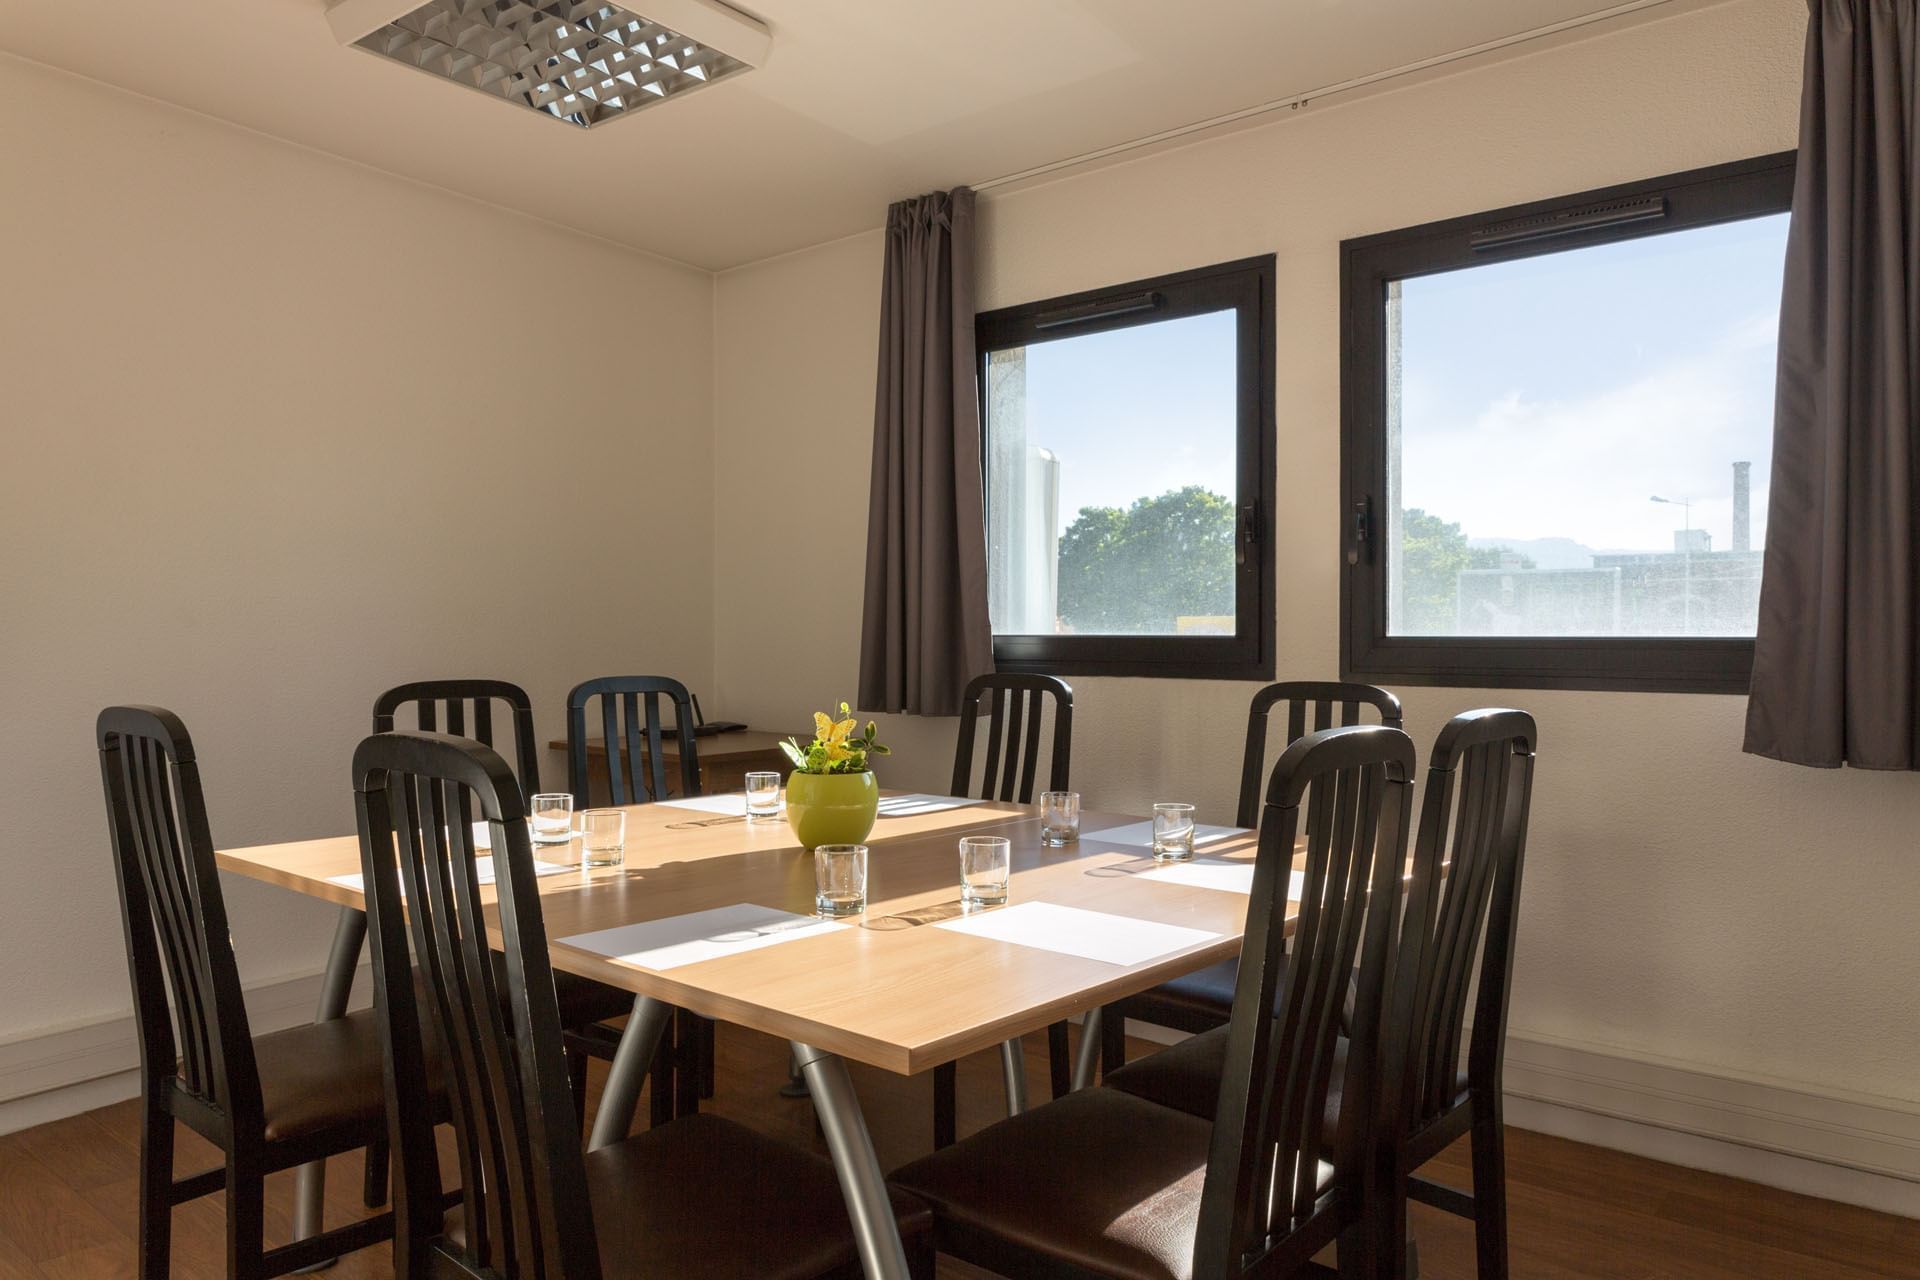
1016 705
632 737
429 697
1301 697
1013 707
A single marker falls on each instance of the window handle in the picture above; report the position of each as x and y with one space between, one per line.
1249 534
1362 544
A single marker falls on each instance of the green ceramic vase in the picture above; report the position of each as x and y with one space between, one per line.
831 808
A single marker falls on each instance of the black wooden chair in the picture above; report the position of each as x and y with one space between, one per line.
630 737
270 1103
699 1197
1105 1183
1473 822
453 705
1200 1001
449 706
1013 708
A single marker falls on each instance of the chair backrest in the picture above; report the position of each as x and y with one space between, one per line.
523 1180
174 916
1263 1200
1326 700
1014 706
444 706
630 718
1473 822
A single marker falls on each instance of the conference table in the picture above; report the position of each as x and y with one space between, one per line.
714 914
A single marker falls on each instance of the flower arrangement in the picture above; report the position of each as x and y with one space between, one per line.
834 748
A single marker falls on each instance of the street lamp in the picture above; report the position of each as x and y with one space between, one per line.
1686 510
1686 557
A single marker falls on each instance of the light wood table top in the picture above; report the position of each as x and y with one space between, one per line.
890 990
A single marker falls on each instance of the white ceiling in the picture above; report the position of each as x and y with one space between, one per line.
861 102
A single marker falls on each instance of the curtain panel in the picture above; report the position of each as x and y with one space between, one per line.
1836 663
925 631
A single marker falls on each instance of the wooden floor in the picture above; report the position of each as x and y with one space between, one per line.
1578 1213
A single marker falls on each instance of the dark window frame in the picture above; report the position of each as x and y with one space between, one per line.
1246 287
1697 198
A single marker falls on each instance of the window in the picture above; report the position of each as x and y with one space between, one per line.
1129 477
1557 426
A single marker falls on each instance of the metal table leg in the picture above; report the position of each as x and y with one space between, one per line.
638 1044
1087 1061
336 985
1013 1064
882 1256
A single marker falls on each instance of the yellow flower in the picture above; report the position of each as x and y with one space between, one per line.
834 735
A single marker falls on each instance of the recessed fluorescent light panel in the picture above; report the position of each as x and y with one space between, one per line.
584 63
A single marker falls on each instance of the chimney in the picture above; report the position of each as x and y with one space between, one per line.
1742 520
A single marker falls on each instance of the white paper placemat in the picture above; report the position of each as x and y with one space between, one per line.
701 935
733 805
1140 834
908 805
1228 876
482 865
1075 931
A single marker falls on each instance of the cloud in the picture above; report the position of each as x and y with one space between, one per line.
1526 465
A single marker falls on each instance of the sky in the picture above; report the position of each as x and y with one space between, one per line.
1554 396
1545 397
1134 412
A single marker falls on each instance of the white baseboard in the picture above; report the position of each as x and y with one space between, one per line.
1853 1148
50 1074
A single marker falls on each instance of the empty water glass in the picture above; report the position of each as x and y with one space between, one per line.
986 864
763 796
1059 818
1172 832
840 879
603 837
552 814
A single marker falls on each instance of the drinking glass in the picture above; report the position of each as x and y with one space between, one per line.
986 865
552 817
763 796
1173 832
603 837
1059 818
840 879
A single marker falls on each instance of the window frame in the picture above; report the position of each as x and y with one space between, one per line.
1245 286
1721 193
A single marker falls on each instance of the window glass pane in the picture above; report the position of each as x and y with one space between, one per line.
1578 443
1111 460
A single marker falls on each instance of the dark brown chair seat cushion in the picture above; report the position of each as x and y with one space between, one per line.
1100 1183
704 1198
1186 1077
1197 1001
322 1075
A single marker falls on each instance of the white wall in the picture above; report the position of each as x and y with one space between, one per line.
280 431
235 376
1684 903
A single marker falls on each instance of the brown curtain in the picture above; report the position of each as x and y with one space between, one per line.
925 633
1836 663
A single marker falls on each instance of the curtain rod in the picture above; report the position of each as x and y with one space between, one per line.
1294 102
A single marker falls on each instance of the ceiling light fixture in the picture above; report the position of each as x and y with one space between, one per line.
582 62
